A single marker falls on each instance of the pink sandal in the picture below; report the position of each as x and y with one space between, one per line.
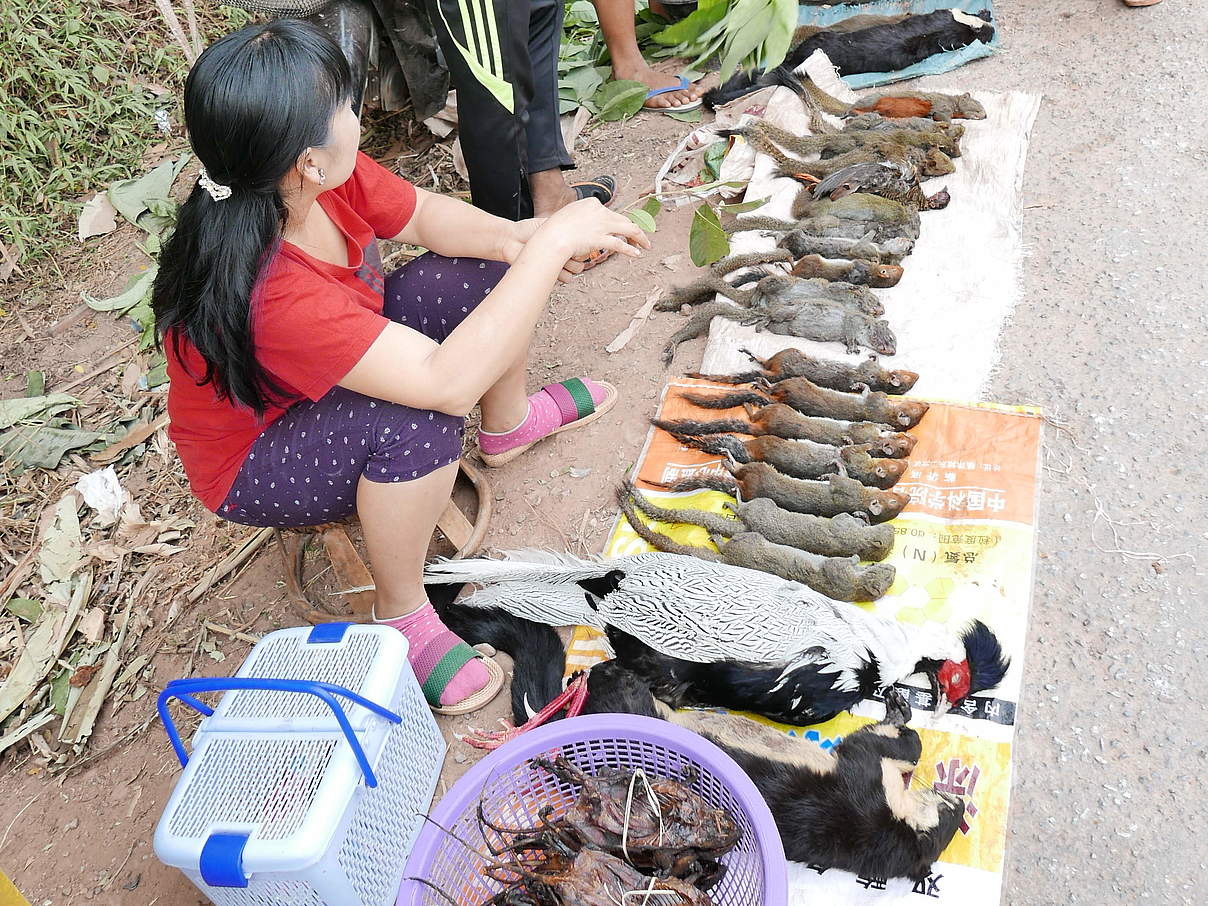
552 409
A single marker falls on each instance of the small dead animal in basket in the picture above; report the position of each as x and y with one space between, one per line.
844 535
655 822
803 458
791 363
839 578
554 873
837 494
779 420
809 399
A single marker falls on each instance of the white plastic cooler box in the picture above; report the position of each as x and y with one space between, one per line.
307 783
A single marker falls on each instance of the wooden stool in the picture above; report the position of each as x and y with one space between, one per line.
464 536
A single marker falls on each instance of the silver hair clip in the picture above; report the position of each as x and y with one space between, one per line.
217 191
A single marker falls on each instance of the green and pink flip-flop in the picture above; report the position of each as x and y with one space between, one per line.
552 409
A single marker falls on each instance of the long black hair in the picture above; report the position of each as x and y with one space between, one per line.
254 102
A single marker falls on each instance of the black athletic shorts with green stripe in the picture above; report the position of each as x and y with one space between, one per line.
503 57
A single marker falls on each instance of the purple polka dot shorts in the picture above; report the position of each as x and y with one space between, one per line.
303 470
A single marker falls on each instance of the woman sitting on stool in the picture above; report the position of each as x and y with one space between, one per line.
307 385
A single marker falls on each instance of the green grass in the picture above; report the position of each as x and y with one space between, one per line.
83 79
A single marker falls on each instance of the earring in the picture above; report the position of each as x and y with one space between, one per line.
322 177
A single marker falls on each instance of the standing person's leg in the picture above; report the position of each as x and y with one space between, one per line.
485 44
620 34
546 151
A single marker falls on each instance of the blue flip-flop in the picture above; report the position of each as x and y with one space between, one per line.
684 85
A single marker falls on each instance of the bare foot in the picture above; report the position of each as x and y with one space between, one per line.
653 79
550 192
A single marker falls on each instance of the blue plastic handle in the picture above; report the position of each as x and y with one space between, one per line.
185 689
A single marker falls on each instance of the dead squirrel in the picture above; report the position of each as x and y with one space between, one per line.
875 122
844 535
790 363
859 271
799 244
842 579
837 494
810 399
773 291
892 142
883 217
921 104
803 458
821 320
779 420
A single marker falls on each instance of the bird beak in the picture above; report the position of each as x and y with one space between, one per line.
942 707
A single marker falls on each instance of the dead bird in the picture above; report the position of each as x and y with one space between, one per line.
842 579
790 363
779 420
837 494
800 244
898 182
843 535
809 399
803 458
858 271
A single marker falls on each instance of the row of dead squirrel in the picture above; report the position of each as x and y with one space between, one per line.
853 222
813 483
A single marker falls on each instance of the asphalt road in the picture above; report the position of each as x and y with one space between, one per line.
1109 803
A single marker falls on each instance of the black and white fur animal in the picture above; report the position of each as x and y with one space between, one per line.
881 48
854 807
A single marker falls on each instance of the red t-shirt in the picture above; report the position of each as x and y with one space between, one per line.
313 322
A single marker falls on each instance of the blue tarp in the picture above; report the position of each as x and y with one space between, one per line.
942 62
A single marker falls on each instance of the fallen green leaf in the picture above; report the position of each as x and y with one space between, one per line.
145 201
138 290
17 410
686 116
742 207
707 241
653 206
714 155
620 100
642 219
43 447
26 608
60 688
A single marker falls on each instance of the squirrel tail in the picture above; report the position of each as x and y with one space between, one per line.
726 401
689 428
657 540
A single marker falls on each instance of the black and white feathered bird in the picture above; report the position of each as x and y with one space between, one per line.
705 633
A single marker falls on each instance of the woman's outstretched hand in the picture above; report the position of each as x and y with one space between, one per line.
586 227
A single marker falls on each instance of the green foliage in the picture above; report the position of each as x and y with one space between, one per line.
82 81
644 216
707 241
745 33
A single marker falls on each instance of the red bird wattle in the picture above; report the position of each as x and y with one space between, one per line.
955 680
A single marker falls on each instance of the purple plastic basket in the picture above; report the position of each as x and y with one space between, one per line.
512 791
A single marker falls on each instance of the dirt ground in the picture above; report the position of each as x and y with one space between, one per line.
1109 791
